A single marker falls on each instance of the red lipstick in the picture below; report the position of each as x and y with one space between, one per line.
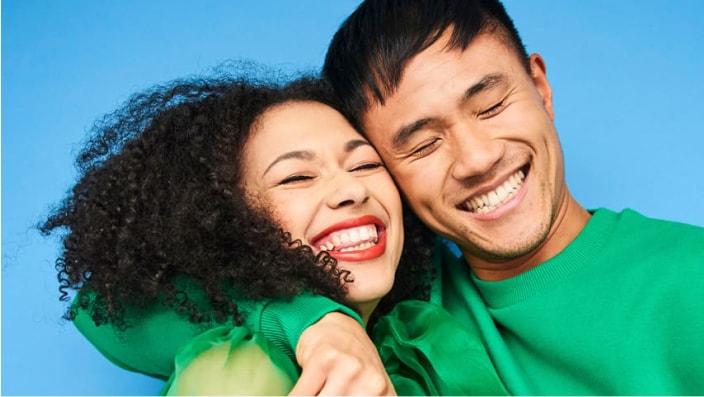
372 252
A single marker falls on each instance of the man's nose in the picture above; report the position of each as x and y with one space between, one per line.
474 153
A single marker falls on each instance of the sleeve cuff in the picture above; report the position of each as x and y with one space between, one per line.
283 322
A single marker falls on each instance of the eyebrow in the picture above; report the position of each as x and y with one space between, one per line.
487 82
354 144
308 155
296 154
406 132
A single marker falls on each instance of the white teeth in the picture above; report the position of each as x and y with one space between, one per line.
477 202
358 247
493 198
488 202
366 235
501 193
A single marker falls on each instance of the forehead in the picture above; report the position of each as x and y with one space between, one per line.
441 73
493 36
301 120
487 53
299 125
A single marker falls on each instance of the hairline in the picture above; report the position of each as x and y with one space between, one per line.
381 89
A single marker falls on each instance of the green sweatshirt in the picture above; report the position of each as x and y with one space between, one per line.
619 312
155 334
423 348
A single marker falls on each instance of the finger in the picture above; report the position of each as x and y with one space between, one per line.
346 375
365 382
309 383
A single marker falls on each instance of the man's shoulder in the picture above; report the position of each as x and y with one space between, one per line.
638 233
633 218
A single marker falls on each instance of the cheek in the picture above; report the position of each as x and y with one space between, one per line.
416 181
293 213
390 199
527 119
386 191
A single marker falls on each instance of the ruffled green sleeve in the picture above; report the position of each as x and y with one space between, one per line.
147 345
427 352
231 361
424 350
155 332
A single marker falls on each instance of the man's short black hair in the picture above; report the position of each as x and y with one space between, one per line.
370 50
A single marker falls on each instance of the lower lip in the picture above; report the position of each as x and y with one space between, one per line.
362 255
507 206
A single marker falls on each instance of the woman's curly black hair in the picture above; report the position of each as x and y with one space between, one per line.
159 199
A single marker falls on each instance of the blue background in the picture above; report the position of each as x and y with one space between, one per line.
627 77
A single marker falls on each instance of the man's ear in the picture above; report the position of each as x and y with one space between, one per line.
538 73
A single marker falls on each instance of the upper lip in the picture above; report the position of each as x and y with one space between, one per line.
349 223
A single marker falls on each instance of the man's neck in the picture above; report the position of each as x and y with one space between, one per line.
569 222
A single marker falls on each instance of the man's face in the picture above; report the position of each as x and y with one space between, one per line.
469 138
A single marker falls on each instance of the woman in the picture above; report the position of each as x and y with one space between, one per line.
209 192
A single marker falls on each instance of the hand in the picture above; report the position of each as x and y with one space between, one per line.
338 358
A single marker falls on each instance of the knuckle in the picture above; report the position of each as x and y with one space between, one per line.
354 365
329 356
377 384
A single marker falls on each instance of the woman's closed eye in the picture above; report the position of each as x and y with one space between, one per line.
295 179
367 166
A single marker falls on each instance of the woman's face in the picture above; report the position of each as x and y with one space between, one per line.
328 187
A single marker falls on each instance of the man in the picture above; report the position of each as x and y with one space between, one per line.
568 301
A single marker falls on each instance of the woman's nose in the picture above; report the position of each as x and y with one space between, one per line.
347 190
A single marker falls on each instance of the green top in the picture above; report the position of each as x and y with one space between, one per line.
145 346
230 361
424 350
619 312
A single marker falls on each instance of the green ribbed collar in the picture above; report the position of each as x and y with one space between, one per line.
584 248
